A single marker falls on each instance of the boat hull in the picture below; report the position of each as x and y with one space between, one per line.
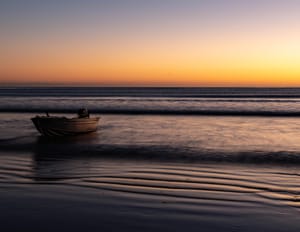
61 126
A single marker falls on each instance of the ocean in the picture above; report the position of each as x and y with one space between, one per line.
163 159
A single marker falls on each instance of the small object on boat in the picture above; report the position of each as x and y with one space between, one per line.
83 113
61 126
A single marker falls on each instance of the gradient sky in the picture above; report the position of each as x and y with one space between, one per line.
150 42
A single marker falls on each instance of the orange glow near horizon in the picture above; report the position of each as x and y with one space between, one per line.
220 66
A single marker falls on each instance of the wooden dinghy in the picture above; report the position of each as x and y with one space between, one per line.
62 126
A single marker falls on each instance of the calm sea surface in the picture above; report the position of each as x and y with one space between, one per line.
163 159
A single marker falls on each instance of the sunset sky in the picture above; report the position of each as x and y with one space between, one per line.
150 42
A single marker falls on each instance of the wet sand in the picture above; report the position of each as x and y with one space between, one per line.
74 193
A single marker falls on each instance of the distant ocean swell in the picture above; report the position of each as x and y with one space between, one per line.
154 101
133 111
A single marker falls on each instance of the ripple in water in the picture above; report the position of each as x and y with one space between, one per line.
221 185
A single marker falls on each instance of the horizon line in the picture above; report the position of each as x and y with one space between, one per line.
138 86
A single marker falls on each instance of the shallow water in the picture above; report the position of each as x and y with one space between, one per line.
169 138
117 194
153 172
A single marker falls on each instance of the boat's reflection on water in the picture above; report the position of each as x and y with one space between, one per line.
84 138
77 157
59 159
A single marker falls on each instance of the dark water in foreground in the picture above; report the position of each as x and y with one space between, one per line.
153 172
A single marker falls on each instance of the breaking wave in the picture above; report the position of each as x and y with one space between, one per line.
69 147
